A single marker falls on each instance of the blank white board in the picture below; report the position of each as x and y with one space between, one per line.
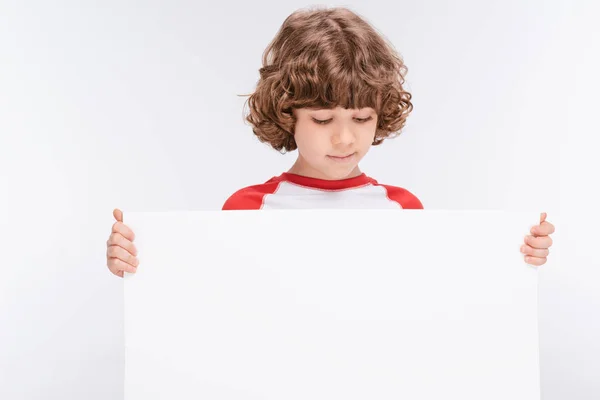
322 304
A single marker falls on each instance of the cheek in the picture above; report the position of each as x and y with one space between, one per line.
367 137
309 138
312 144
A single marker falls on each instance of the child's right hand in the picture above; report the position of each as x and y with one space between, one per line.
120 251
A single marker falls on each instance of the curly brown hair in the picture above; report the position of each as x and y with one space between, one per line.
324 58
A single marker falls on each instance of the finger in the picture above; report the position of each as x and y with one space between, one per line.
542 242
544 229
530 251
123 230
116 239
549 228
112 268
543 217
116 265
536 261
122 254
118 214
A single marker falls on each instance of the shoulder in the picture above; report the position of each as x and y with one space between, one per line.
402 196
251 197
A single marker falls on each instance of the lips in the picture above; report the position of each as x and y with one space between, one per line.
341 157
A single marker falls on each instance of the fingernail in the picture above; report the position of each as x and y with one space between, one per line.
522 249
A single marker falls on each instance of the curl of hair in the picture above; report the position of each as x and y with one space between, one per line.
324 58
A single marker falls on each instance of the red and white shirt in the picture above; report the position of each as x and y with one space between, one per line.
291 191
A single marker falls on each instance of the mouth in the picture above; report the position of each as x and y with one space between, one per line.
342 158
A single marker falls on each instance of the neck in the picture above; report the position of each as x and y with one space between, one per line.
301 167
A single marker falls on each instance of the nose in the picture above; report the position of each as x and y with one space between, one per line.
343 136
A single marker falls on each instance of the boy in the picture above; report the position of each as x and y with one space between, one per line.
330 87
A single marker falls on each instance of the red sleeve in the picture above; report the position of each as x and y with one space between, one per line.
251 197
403 197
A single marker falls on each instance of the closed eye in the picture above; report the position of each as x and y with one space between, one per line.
324 122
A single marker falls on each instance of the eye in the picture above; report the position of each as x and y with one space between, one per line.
324 122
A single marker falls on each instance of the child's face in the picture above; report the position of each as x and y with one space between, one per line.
333 148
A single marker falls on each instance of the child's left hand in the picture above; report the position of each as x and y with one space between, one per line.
536 247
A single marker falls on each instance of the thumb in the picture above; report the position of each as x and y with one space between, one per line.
543 217
118 214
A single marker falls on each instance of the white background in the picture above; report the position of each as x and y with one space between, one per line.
134 105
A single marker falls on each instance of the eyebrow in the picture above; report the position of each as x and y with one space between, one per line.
359 112
369 109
